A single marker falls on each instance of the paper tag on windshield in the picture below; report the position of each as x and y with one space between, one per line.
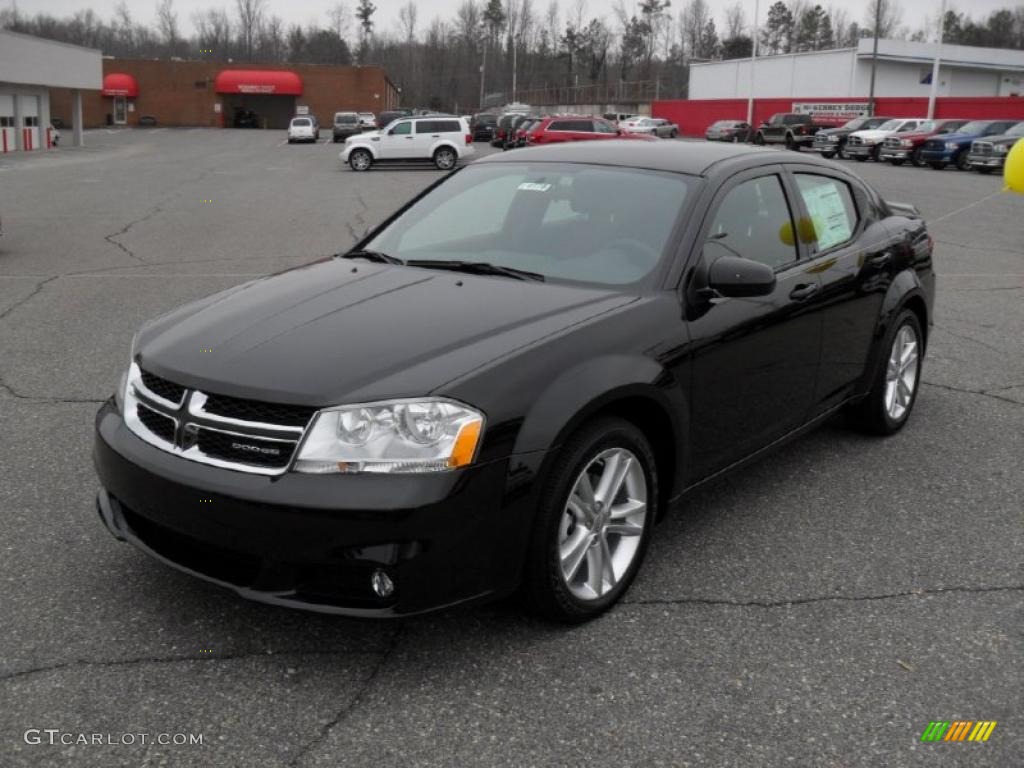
531 186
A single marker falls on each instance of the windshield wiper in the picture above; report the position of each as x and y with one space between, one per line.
477 268
377 256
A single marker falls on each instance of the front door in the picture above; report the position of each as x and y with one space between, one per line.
398 142
120 110
754 361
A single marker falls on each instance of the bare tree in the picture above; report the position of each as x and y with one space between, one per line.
167 23
735 21
407 20
341 19
884 16
250 17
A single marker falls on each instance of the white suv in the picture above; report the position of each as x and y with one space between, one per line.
440 139
303 129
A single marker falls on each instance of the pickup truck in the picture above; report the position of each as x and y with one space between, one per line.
899 148
789 128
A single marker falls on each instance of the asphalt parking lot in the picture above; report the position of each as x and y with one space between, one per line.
818 609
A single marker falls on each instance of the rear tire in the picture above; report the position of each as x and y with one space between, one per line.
860 158
938 165
445 158
828 155
574 582
360 160
888 405
876 153
759 139
983 170
896 161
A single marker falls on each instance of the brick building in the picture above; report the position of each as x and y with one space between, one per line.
206 93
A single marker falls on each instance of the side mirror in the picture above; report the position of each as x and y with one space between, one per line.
735 276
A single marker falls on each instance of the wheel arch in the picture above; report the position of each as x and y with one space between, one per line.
652 403
905 292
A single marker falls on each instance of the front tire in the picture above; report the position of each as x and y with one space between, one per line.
984 170
917 158
828 155
594 522
896 161
759 139
888 405
962 163
360 160
445 158
938 165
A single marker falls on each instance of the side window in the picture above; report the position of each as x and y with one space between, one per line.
426 126
600 126
402 129
559 125
829 203
448 126
581 126
753 221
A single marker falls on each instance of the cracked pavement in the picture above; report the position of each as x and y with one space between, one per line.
820 608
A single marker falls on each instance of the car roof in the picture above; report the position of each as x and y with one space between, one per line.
695 158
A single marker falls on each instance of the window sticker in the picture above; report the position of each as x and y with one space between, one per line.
828 212
532 186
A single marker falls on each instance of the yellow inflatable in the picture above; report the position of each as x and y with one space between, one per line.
806 229
1013 171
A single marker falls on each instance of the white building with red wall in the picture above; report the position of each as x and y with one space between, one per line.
29 67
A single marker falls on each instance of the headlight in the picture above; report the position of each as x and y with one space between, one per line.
952 145
122 385
1001 149
906 143
396 436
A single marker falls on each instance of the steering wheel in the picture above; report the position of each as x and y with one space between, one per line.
637 251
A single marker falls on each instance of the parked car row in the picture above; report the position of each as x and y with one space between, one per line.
980 145
519 129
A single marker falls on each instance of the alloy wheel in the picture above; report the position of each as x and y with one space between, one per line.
602 523
445 159
901 373
360 160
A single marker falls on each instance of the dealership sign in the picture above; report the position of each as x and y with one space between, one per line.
833 111
247 88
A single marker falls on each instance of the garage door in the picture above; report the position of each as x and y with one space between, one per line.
7 138
30 121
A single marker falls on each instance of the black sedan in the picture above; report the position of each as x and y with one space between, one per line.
509 381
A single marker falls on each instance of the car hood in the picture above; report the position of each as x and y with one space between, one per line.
1002 139
959 137
340 331
834 132
873 134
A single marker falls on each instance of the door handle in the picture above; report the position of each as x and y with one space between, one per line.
803 291
880 260
408 138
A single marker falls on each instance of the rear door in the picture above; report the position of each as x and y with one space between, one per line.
754 360
853 252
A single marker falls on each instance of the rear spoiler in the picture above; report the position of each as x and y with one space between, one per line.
904 209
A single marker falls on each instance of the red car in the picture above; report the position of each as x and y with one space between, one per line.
550 130
908 146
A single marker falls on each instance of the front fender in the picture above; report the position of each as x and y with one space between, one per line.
576 394
349 149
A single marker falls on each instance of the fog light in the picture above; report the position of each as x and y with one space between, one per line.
382 583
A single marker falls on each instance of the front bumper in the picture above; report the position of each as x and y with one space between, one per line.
986 161
860 150
896 154
826 146
938 155
315 541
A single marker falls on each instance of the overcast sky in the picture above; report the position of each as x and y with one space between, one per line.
306 11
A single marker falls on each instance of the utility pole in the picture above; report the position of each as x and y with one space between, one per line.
753 58
483 74
874 61
933 91
515 49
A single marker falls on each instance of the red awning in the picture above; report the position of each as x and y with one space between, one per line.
277 82
119 84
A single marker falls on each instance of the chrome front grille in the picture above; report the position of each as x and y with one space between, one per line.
981 148
855 141
233 433
892 143
936 144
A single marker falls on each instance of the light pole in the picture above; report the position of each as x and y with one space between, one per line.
483 74
515 49
933 91
753 58
874 61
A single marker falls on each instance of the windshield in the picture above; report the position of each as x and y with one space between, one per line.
580 223
1017 130
301 122
346 118
890 125
857 122
975 126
